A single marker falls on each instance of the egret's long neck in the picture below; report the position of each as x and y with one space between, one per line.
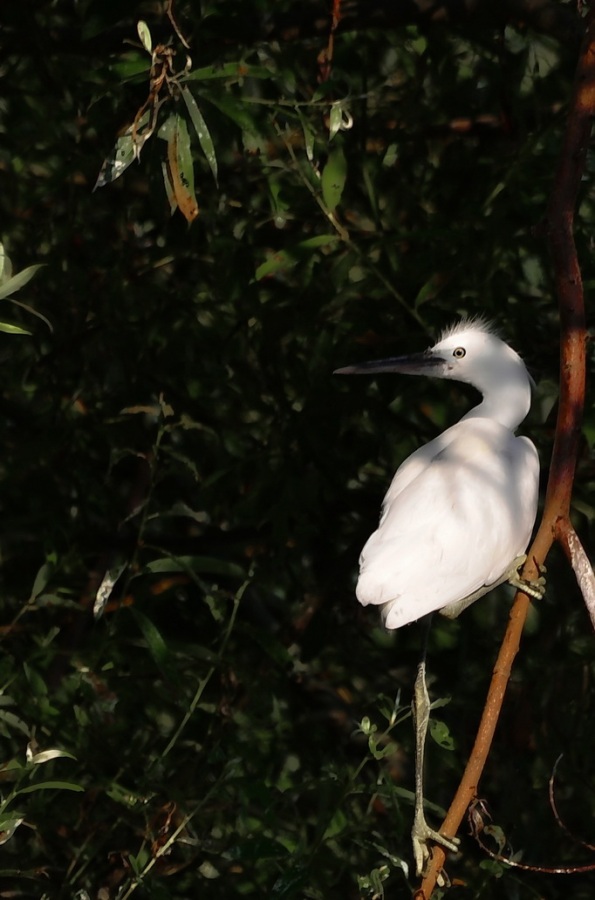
506 395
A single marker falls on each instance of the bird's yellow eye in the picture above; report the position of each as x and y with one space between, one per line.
459 353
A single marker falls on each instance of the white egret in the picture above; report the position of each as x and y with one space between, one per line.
459 512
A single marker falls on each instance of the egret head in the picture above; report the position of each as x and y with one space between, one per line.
471 352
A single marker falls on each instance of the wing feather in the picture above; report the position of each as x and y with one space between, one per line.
452 522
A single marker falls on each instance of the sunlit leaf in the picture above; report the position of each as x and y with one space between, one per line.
180 165
127 148
309 135
7 328
46 755
18 281
144 35
333 178
9 822
104 591
5 265
335 119
202 131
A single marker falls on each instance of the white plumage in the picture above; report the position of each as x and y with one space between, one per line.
460 510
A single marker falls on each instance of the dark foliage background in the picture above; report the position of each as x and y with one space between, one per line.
180 426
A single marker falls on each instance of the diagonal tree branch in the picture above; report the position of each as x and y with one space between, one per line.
555 523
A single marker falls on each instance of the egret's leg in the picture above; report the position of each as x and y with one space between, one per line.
535 589
421 832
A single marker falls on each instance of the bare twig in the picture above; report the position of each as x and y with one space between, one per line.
476 817
578 559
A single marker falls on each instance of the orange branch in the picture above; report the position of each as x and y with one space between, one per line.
558 228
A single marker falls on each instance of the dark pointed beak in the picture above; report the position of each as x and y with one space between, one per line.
416 364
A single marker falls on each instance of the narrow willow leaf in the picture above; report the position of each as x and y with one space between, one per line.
5 267
167 129
105 589
237 111
202 131
333 179
8 826
7 328
181 170
169 190
155 643
51 786
144 35
13 721
46 755
126 149
335 119
18 281
32 312
309 136
205 565
41 579
235 70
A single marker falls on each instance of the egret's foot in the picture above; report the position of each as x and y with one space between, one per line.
533 587
421 833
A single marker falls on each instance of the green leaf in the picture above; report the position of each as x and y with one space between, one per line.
290 882
5 265
131 66
236 111
7 328
234 70
253 849
14 721
441 734
9 822
335 119
336 826
185 155
202 131
285 259
205 565
309 135
38 759
126 149
41 579
179 175
51 786
333 179
155 643
144 35
168 129
104 591
18 281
